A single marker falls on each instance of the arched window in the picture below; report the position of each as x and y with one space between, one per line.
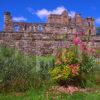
40 28
16 28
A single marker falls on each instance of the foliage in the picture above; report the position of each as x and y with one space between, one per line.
19 72
88 63
60 73
69 57
74 69
80 65
66 66
15 70
66 56
43 63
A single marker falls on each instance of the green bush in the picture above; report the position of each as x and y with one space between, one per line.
60 73
69 69
66 67
87 70
43 64
19 72
87 64
15 70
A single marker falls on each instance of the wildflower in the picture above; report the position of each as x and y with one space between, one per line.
77 40
74 68
58 62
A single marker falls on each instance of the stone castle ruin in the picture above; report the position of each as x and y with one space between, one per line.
46 38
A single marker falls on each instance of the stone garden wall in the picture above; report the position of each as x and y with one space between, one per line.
35 43
38 43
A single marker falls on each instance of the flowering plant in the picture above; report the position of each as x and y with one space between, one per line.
66 66
60 73
74 69
72 63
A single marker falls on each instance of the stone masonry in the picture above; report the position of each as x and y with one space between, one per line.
45 38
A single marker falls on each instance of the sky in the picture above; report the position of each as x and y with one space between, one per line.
38 10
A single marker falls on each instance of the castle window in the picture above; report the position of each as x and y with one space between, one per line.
25 27
32 28
89 32
16 28
40 28
89 23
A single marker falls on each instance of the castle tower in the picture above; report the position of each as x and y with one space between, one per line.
78 19
65 17
7 22
89 26
58 19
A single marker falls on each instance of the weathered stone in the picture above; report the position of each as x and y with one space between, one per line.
46 38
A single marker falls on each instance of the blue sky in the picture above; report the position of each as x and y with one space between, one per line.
37 10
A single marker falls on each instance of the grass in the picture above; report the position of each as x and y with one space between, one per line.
42 66
41 95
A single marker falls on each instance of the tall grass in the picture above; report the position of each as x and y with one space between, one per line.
19 72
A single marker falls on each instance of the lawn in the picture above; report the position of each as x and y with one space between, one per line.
33 95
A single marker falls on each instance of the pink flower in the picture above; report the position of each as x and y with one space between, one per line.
77 40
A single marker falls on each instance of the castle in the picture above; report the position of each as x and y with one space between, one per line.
55 24
46 38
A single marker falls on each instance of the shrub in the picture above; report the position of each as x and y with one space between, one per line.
66 56
19 72
87 70
87 64
66 66
15 70
43 64
69 69
60 73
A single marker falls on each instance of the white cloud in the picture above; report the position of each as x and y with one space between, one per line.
97 20
43 13
19 19
72 13
58 10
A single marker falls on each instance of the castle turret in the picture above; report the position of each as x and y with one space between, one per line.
58 18
89 21
78 19
89 26
65 18
7 22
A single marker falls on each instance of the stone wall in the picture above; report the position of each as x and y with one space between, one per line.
34 43
37 43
